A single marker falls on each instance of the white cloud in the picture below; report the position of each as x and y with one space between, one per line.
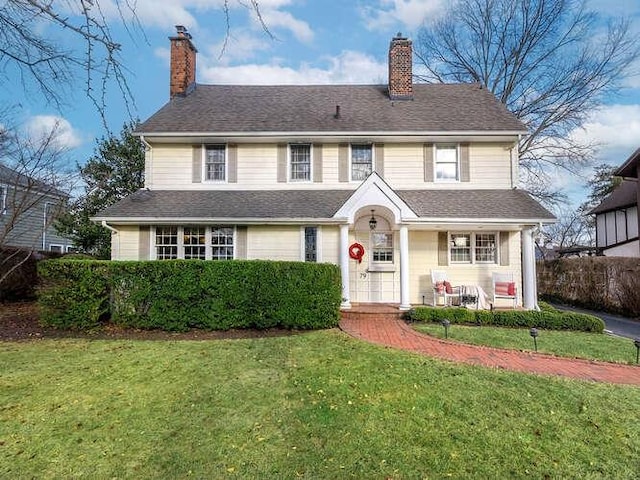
193 13
410 13
616 128
274 19
347 68
41 126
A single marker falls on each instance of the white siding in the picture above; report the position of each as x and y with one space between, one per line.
423 248
274 243
128 243
330 238
170 166
171 169
257 166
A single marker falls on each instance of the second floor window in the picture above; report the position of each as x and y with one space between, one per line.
447 163
215 167
300 159
361 162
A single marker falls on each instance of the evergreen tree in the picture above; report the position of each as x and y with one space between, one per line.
114 171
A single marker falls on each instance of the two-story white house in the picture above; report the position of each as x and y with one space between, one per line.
386 181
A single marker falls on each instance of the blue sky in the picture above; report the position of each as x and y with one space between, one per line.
316 42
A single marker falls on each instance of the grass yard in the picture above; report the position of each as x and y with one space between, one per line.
314 405
592 346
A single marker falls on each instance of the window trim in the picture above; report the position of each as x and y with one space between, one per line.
289 158
436 146
153 253
472 245
204 162
373 160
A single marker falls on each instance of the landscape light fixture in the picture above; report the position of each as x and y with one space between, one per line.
636 342
445 324
534 333
373 223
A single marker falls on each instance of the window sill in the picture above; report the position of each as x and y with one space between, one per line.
380 267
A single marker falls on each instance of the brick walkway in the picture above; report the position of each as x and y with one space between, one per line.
386 328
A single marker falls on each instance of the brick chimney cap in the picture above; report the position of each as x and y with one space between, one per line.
399 36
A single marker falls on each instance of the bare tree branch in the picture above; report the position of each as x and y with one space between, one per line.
551 62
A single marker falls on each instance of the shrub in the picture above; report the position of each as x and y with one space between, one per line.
547 319
182 294
73 294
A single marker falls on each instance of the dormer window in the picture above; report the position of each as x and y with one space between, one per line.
300 163
446 165
361 161
215 163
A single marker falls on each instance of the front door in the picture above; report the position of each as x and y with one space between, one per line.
376 278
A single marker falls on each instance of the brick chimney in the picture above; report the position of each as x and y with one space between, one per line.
183 63
400 68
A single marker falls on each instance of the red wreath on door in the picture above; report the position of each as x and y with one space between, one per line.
356 251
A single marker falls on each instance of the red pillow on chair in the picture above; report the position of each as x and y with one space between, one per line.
447 287
440 287
505 289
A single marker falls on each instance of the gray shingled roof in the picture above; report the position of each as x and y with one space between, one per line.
363 108
17 179
625 195
292 204
630 167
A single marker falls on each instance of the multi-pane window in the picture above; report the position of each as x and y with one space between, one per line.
382 247
361 161
222 243
194 243
461 247
215 163
446 163
166 243
300 158
311 244
473 248
485 248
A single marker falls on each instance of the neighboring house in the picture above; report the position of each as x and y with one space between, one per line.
386 181
28 208
617 217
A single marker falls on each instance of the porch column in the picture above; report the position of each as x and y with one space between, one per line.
344 265
404 268
529 283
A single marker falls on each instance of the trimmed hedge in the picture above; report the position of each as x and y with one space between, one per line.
547 319
181 294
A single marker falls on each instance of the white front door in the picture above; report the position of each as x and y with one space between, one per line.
376 278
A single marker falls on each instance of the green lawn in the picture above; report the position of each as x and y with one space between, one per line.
314 405
592 346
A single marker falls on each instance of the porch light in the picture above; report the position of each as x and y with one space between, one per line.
534 333
373 223
636 342
445 324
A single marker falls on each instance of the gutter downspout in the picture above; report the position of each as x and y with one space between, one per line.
114 254
148 160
